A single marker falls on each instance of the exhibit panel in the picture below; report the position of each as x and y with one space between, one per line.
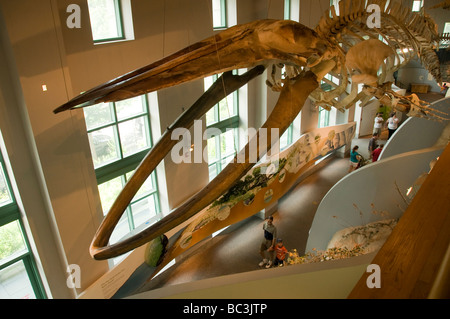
264 184
372 193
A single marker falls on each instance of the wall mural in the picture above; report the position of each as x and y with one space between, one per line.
263 185
267 182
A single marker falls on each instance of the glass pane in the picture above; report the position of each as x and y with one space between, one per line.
98 115
14 282
211 116
109 191
447 27
324 117
227 143
104 19
143 210
5 196
287 9
208 81
12 242
226 160
212 171
122 229
145 189
134 136
218 16
212 149
104 146
226 108
416 6
129 108
284 139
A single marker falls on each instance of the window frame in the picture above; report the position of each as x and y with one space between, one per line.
124 164
119 168
413 5
129 210
289 134
223 15
9 213
230 123
287 9
119 25
323 111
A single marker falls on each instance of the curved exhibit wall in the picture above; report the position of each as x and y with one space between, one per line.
369 194
417 133
333 279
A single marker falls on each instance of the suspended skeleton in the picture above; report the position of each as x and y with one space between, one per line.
341 45
444 5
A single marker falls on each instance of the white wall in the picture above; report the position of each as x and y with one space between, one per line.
61 147
415 73
417 133
368 114
374 187
26 171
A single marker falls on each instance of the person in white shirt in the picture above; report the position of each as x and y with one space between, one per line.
378 124
392 124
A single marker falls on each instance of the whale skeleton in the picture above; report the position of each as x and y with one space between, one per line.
342 45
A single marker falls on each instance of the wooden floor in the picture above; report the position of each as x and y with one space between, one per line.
412 256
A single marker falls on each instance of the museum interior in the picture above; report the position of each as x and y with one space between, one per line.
122 124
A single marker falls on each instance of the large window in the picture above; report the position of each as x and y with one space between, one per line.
324 117
19 278
447 27
287 9
292 10
143 209
106 20
287 138
417 5
119 137
223 116
219 14
118 131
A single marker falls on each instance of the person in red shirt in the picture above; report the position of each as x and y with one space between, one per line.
376 152
280 253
